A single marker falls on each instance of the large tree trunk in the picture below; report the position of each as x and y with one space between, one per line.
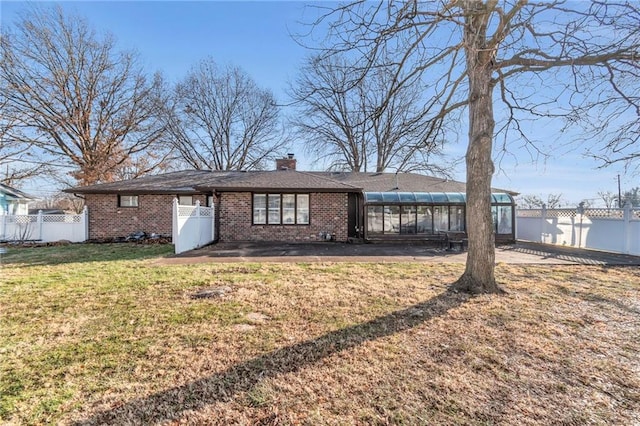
479 273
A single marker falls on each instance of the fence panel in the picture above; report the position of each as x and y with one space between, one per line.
193 226
613 230
45 228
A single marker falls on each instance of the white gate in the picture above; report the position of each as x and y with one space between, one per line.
193 226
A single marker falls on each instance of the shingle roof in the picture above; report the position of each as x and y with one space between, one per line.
195 181
276 180
405 182
166 183
14 193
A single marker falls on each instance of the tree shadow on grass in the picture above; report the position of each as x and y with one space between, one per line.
596 299
223 386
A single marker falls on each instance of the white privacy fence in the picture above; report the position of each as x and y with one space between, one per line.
193 226
45 227
612 230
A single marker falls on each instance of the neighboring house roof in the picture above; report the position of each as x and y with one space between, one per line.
15 194
196 181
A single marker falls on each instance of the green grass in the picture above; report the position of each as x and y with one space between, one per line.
103 333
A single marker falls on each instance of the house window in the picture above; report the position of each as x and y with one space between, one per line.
391 219
502 219
408 220
288 209
127 201
280 209
425 220
456 223
260 209
302 209
375 220
273 216
441 218
185 200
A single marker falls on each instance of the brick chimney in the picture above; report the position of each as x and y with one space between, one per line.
288 163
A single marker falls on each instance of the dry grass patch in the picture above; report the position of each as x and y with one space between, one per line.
122 341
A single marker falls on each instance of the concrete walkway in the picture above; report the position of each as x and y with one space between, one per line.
519 253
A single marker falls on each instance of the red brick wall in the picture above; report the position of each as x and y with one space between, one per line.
153 214
327 211
286 163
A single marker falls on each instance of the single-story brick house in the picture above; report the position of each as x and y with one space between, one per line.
290 205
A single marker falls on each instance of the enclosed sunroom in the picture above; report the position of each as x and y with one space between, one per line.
420 215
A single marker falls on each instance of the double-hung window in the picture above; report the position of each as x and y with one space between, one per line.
280 209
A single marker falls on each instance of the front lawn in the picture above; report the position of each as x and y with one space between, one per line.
96 334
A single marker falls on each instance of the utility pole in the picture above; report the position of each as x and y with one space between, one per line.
619 194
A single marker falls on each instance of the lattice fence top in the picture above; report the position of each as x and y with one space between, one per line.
62 218
186 211
192 211
562 213
590 212
21 219
605 213
529 213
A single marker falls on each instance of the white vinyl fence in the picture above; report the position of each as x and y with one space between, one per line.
45 227
612 230
193 226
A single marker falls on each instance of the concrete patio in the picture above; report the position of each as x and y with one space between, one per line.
519 253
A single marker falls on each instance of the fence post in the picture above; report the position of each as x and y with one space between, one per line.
175 234
626 228
213 222
85 223
199 224
40 222
543 224
580 213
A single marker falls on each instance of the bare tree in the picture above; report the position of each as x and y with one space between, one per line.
352 120
221 120
75 97
609 198
17 160
615 121
632 197
480 52
61 201
553 201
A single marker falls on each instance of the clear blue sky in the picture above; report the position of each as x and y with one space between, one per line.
172 36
